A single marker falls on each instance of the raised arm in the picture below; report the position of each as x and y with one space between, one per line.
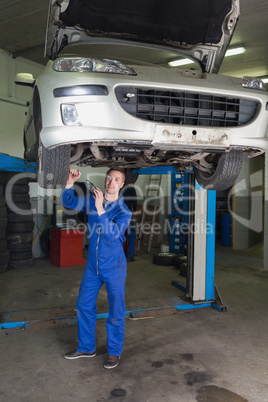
68 199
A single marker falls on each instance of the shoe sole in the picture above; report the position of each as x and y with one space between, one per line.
110 367
78 357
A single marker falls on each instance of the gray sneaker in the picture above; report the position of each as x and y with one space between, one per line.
111 362
77 355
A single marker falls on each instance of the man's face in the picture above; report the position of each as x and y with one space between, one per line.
114 182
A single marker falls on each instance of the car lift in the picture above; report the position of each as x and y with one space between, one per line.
12 164
200 290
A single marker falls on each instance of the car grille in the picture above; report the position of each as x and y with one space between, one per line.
186 108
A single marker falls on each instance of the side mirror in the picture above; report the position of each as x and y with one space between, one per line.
25 79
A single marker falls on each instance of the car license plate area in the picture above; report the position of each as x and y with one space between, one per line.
170 136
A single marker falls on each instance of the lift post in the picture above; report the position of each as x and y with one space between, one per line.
200 289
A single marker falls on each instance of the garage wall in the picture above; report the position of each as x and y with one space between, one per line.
13 100
248 204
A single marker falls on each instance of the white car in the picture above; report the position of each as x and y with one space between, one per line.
108 96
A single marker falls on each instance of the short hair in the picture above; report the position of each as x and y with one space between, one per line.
121 170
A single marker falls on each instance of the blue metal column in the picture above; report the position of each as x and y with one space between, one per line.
178 211
210 252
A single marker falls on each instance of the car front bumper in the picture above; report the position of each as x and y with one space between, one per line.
102 120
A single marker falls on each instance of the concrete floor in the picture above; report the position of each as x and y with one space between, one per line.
197 355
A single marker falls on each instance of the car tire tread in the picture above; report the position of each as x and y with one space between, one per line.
226 173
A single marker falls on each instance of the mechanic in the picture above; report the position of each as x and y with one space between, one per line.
108 219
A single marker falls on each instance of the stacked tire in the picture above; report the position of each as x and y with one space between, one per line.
20 225
168 259
164 259
181 264
4 252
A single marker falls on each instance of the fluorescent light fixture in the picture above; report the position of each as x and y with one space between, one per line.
264 79
230 52
180 62
234 51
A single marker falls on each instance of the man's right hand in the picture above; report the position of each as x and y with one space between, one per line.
74 174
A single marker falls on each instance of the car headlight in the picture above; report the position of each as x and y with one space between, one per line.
89 65
253 83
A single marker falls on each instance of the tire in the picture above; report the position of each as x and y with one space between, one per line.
12 217
45 242
183 269
3 223
18 189
18 198
3 178
3 212
19 227
2 201
20 255
2 234
4 257
130 178
53 166
21 205
3 245
3 268
21 201
20 263
179 260
18 238
227 167
17 247
21 180
164 259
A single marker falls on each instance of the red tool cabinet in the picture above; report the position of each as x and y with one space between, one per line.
66 247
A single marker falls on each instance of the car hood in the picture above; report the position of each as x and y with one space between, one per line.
196 29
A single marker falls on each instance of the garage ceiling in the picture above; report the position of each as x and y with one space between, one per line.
23 27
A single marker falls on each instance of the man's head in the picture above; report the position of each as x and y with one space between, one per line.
114 181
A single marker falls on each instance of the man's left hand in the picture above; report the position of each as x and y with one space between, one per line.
98 195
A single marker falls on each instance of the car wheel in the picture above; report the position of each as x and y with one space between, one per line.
52 166
226 167
131 177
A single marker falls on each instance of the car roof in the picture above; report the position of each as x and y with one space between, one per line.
198 29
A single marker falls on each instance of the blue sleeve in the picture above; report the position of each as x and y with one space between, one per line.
69 200
116 227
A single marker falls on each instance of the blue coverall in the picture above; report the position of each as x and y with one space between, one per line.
106 263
